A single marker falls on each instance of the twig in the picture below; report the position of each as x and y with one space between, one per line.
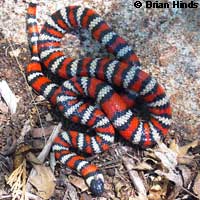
114 162
136 180
111 166
192 194
26 128
29 195
43 154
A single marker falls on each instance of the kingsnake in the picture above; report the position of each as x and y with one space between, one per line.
94 78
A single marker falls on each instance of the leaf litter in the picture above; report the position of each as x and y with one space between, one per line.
165 172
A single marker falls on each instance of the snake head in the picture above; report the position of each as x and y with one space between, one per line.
97 186
95 181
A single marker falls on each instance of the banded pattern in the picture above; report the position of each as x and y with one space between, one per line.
94 78
123 119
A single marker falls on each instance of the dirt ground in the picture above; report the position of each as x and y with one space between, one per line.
167 41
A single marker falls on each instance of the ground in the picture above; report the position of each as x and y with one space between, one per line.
167 41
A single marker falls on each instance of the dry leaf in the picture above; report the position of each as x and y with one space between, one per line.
143 166
41 132
118 187
78 182
20 153
70 193
8 96
186 160
159 188
196 187
15 52
43 154
167 156
186 174
182 158
123 189
33 159
169 160
172 175
49 118
182 151
155 194
44 181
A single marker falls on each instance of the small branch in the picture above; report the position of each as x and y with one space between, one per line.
43 154
134 176
29 195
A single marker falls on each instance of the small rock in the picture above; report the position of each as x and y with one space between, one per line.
49 117
111 172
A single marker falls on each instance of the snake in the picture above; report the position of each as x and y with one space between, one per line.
99 93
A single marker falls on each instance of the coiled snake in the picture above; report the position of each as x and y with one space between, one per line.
94 78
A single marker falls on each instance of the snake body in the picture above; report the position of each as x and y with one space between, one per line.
94 78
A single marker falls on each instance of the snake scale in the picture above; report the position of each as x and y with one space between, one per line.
97 79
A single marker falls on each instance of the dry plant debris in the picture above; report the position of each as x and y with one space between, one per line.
196 187
78 182
43 182
17 182
173 169
8 96
167 43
